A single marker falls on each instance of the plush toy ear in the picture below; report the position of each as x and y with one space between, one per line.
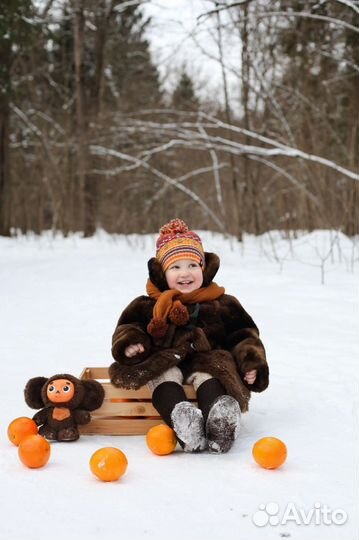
93 395
211 268
156 274
32 392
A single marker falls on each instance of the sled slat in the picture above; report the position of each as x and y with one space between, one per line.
118 426
132 408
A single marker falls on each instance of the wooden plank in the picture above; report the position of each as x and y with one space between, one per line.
134 408
116 426
112 392
85 374
95 373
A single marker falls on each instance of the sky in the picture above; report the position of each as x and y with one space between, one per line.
180 39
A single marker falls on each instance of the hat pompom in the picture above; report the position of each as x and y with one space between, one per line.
179 314
157 328
175 226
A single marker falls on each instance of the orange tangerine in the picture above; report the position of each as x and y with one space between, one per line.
269 452
34 451
20 428
161 440
108 464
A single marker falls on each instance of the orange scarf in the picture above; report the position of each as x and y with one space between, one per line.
170 304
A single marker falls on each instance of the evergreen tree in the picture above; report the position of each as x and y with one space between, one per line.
184 96
15 35
131 80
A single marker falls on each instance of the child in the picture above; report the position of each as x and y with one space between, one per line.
187 330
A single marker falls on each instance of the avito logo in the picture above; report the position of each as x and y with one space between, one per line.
269 514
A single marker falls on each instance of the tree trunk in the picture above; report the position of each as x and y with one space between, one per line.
95 92
5 184
249 179
235 199
81 131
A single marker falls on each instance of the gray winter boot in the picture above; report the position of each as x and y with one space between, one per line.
222 426
169 399
221 415
188 424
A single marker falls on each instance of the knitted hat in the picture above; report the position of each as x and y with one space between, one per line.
177 242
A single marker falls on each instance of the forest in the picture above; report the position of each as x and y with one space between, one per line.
91 136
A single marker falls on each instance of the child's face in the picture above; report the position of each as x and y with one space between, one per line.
184 275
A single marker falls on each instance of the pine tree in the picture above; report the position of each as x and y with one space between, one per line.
184 96
15 36
131 80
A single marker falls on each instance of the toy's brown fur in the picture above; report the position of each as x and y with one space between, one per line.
58 421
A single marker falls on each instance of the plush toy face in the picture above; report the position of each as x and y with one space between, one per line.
60 391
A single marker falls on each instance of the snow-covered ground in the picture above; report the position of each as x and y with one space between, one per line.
60 299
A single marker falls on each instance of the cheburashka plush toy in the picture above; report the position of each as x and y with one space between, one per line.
65 402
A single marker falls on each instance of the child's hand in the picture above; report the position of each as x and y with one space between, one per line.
132 350
250 376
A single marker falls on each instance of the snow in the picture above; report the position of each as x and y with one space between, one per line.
60 299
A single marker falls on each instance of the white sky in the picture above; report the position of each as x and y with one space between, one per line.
179 39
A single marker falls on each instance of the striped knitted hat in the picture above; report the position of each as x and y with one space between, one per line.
177 242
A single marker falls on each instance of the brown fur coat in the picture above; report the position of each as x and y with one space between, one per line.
221 339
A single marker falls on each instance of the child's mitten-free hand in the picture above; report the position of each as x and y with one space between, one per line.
252 365
250 376
132 350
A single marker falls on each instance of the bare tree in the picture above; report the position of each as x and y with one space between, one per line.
81 123
90 133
